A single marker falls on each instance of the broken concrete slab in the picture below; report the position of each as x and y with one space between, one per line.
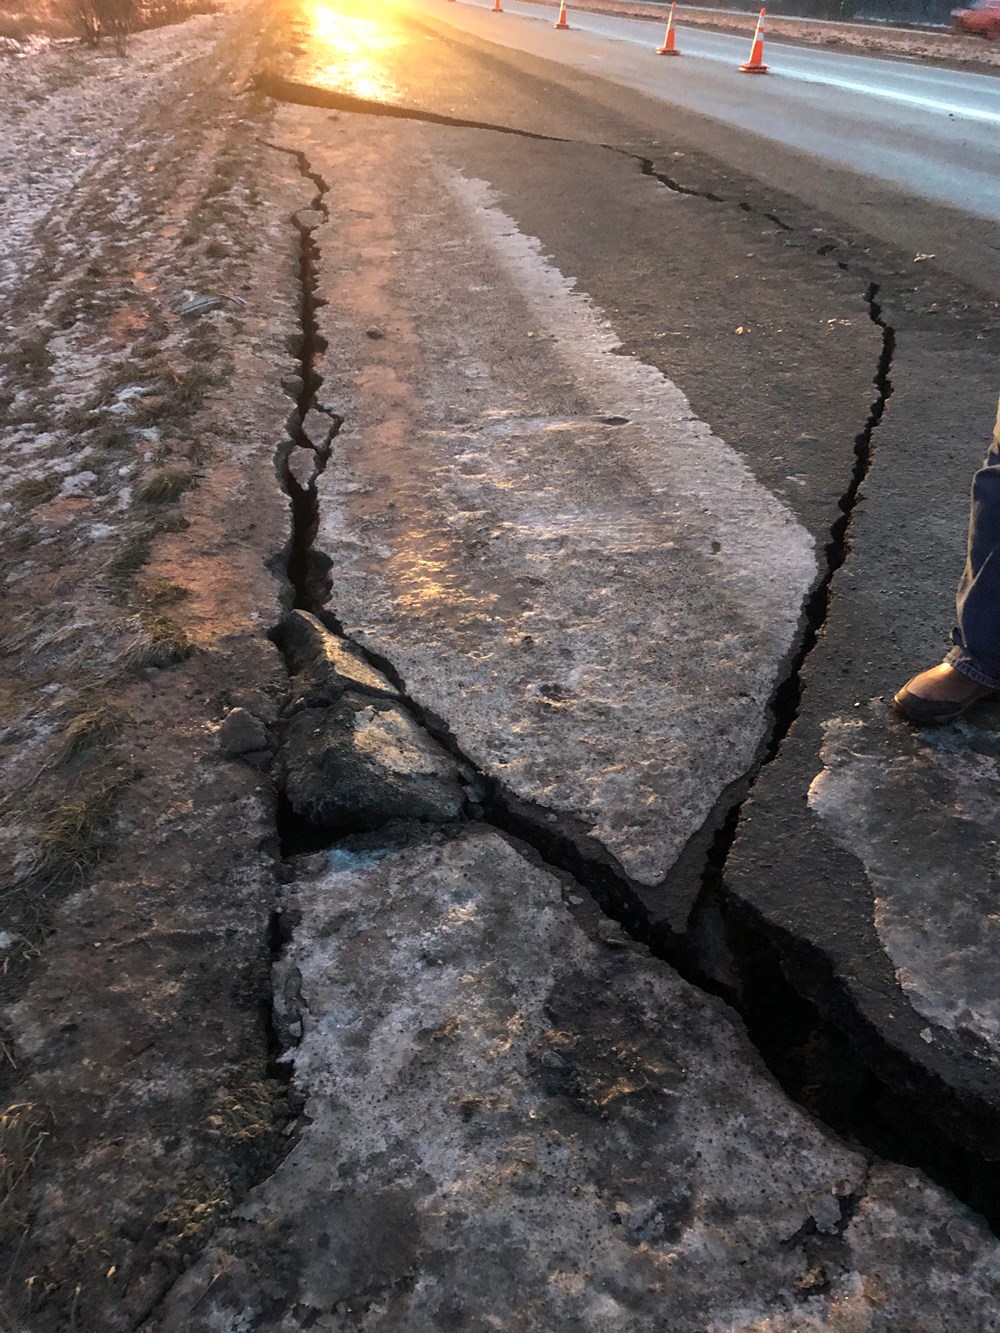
302 466
516 1118
593 589
867 857
323 665
363 762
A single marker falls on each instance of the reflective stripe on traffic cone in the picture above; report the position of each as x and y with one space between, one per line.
755 65
668 49
561 20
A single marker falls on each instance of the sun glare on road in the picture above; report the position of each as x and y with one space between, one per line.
348 51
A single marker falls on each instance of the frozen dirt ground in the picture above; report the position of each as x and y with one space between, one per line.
142 531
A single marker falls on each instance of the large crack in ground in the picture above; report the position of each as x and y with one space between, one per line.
810 1057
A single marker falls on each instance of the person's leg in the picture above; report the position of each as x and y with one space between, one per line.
977 635
971 671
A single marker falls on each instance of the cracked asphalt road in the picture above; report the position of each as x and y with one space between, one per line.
837 383
580 416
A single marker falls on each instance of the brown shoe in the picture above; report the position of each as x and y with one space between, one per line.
938 695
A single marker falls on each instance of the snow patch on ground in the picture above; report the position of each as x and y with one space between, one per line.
66 109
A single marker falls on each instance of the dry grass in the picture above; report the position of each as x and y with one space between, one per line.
20 540
162 592
33 357
95 728
35 491
134 552
68 843
109 436
197 450
24 1127
160 643
128 560
165 485
181 395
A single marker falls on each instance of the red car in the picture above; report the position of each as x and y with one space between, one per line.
982 18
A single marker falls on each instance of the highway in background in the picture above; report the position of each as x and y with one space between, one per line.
935 132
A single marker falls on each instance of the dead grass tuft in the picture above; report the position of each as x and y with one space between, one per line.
95 728
33 357
19 540
190 388
247 1115
165 485
198 450
109 436
162 592
69 843
160 643
193 1215
130 558
35 491
24 1127
134 552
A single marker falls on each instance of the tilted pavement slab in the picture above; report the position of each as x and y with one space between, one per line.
517 1119
564 562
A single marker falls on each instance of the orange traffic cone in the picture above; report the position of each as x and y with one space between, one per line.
755 65
496 7
668 48
561 20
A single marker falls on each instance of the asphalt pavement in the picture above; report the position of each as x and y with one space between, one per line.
545 924
912 125
884 150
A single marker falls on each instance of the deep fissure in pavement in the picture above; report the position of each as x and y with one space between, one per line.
809 1055
714 841
304 567
329 99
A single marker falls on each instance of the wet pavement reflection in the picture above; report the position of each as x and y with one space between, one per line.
348 48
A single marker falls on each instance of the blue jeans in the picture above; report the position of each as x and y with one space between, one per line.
977 636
